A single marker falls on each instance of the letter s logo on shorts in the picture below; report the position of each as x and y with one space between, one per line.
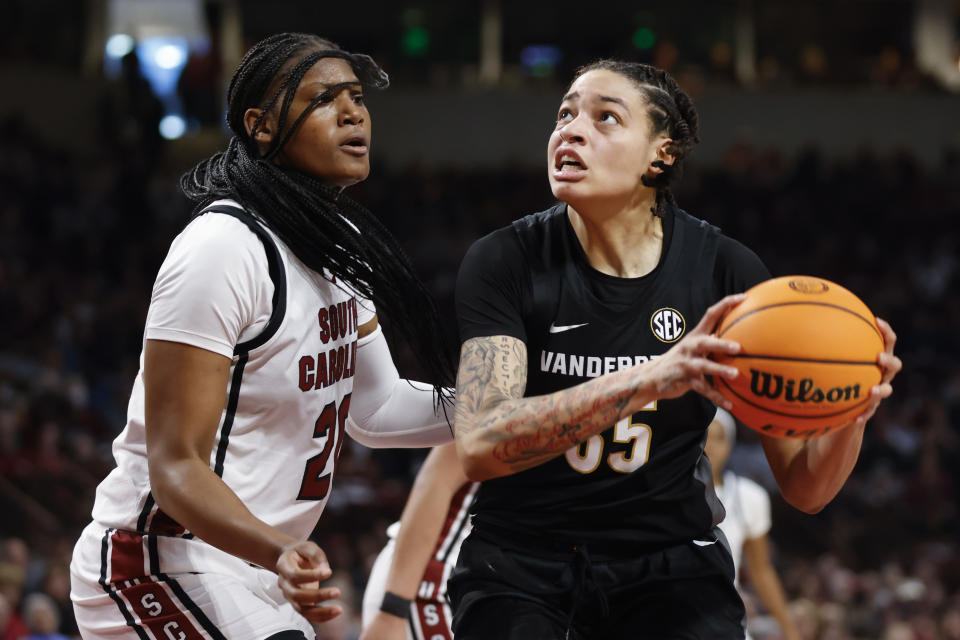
667 324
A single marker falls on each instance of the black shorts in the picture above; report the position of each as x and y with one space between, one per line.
509 591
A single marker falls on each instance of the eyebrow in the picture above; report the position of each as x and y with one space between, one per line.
317 83
573 95
615 100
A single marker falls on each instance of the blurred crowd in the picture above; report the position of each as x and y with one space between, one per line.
431 43
82 236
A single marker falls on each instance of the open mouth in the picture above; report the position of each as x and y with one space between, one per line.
568 166
569 162
354 146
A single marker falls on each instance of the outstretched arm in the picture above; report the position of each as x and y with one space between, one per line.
385 409
810 473
420 524
499 432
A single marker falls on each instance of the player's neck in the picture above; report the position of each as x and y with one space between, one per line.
626 242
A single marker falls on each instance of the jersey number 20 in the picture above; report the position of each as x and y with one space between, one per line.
329 425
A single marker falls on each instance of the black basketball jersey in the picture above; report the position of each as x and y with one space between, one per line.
645 480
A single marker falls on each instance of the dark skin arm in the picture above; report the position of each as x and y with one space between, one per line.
763 576
185 394
437 481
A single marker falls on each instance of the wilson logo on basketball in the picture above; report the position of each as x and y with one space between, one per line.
773 386
667 324
808 285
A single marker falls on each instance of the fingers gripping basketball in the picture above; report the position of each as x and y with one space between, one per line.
808 357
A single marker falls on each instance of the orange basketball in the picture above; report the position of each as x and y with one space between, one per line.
808 357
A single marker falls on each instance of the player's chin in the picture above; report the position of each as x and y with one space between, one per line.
349 174
570 192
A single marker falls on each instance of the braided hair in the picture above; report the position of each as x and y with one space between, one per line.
671 111
327 231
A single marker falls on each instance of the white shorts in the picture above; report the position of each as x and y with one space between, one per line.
430 618
119 592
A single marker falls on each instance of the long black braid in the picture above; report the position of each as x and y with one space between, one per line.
327 231
671 111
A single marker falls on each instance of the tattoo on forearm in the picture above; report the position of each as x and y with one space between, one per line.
491 370
493 376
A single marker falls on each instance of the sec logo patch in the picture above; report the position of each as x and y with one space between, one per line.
667 324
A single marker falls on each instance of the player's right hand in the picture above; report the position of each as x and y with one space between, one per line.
384 626
301 567
686 365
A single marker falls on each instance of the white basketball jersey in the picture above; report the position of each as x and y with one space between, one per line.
748 512
230 286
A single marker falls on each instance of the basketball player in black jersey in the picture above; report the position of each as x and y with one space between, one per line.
585 328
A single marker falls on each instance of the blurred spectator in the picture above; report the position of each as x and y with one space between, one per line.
56 586
12 626
42 618
950 624
131 112
11 585
199 86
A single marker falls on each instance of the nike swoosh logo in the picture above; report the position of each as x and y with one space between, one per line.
704 543
566 327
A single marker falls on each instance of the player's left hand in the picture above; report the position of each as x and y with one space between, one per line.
889 365
384 626
301 568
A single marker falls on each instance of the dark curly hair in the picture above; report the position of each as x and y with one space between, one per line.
671 111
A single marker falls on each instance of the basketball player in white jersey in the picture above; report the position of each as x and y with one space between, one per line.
261 349
406 594
746 523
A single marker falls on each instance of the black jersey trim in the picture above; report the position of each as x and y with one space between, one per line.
278 276
275 268
149 511
145 513
154 552
182 596
289 634
799 303
231 412
104 552
197 612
